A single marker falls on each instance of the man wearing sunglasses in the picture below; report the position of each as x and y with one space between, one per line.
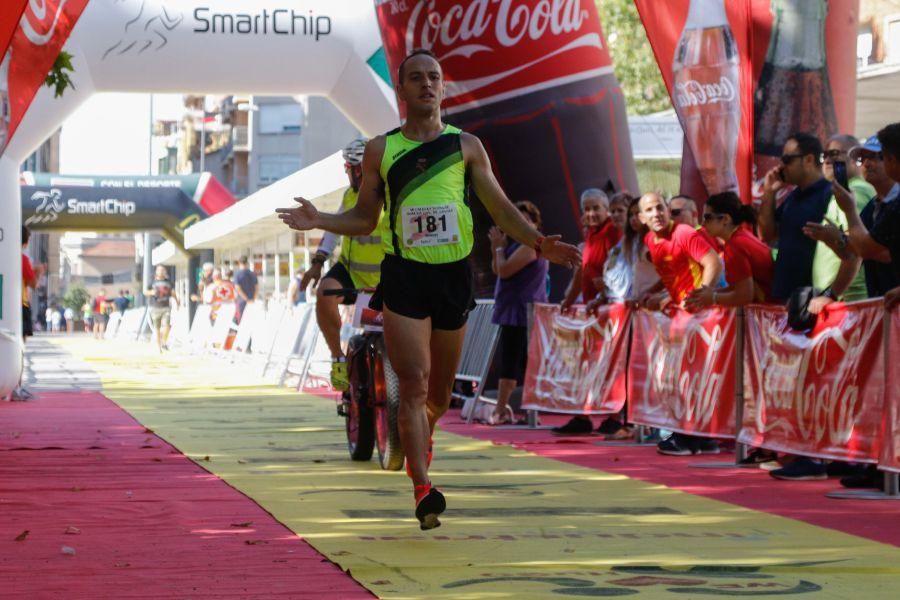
833 263
801 166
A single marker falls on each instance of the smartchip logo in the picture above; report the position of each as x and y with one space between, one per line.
280 21
51 205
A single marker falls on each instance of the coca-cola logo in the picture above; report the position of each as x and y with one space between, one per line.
465 27
40 19
694 93
689 364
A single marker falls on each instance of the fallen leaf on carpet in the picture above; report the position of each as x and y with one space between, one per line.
206 458
255 542
242 461
68 550
21 537
72 530
119 565
247 524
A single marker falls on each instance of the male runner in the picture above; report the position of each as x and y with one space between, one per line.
419 173
359 267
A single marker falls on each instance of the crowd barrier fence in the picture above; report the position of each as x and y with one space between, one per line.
830 393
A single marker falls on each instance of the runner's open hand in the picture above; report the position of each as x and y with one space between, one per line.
559 252
302 218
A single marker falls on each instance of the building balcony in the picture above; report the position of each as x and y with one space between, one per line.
240 138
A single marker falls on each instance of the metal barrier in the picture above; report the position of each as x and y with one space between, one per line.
479 344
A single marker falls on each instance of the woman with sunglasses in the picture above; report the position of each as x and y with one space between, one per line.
748 261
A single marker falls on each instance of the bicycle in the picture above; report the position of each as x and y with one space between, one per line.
371 406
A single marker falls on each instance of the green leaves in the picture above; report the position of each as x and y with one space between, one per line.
58 78
636 68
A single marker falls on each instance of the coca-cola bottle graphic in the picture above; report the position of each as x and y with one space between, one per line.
793 93
532 79
706 93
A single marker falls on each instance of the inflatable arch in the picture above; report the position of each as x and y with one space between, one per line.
329 48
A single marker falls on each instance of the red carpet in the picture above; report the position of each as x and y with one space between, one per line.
79 475
751 488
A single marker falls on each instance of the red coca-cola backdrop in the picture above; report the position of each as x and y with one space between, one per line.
890 429
35 44
577 362
533 79
796 62
681 373
10 12
817 394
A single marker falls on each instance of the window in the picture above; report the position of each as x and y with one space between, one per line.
280 118
273 167
864 44
892 40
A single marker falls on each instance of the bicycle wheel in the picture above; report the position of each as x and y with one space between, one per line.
360 420
387 411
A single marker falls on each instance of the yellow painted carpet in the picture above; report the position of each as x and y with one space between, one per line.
518 525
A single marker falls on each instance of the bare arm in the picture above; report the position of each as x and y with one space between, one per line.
359 220
846 274
859 239
712 268
768 227
573 290
518 260
503 212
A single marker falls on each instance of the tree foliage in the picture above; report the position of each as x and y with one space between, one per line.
75 297
57 78
636 68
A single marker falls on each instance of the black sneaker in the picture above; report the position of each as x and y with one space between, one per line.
701 445
844 469
576 426
869 478
801 469
609 425
674 445
758 456
429 508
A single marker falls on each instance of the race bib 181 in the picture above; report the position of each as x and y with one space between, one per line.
430 225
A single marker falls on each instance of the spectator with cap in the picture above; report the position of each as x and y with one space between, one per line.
600 235
882 243
832 246
521 280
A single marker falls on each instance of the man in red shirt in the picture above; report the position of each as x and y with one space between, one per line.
684 260
599 236
29 280
683 257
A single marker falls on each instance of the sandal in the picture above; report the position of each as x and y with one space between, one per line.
507 418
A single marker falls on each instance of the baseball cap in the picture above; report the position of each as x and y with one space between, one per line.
870 145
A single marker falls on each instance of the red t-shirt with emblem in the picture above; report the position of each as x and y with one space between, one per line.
676 255
747 256
597 243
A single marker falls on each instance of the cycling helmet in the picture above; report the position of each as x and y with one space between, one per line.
353 152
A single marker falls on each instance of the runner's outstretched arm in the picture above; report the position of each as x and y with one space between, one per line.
504 213
359 220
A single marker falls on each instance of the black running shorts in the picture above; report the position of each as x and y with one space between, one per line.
340 274
444 293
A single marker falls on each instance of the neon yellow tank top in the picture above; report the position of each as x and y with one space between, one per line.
426 217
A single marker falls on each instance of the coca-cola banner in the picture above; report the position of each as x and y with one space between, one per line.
534 80
703 51
818 393
793 60
681 373
577 361
10 12
890 452
36 42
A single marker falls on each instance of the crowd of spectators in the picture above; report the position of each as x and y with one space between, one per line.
827 229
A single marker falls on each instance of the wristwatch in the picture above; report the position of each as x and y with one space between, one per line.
843 241
829 293
318 259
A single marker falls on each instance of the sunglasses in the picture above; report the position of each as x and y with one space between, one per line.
675 211
707 217
787 159
834 153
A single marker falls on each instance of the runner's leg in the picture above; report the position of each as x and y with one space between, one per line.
328 316
446 348
407 342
